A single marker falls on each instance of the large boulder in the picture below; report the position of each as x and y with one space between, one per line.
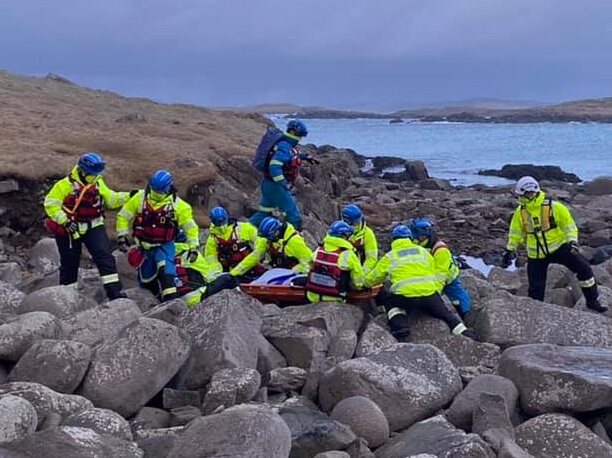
229 387
285 379
44 256
374 338
600 186
10 272
102 421
268 357
242 431
408 382
314 432
127 372
560 436
304 333
17 418
45 400
58 364
553 378
75 442
364 418
435 436
539 172
96 325
224 332
17 334
521 320
460 411
10 298
157 443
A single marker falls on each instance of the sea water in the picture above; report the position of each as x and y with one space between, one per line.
457 151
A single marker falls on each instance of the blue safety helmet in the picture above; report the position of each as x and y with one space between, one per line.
299 127
421 227
181 236
91 164
161 181
401 232
352 214
219 216
269 228
340 229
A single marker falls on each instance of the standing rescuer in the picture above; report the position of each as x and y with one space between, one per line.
75 209
550 234
414 286
153 217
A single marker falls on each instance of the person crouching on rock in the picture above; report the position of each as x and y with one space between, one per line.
281 244
153 217
547 228
447 269
75 209
228 243
335 268
414 286
363 237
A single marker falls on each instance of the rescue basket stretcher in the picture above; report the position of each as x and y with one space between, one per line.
294 295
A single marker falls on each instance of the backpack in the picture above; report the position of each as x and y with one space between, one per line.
266 144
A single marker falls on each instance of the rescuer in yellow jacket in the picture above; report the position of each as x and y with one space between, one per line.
153 217
550 234
335 268
75 216
228 243
281 244
363 237
414 285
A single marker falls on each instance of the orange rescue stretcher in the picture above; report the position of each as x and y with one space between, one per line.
295 295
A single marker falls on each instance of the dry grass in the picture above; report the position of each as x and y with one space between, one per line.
45 124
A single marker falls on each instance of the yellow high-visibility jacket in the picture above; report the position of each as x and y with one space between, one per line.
193 297
293 246
54 200
347 261
182 210
364 241
245 232
543 225
410 267
447 269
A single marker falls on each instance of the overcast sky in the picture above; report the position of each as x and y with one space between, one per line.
369 54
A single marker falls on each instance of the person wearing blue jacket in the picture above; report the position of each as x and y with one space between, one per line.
281 171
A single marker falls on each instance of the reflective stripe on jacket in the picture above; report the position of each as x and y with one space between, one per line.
364 240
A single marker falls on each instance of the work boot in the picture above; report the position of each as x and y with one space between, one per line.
113 291
471 334
597 306
399 327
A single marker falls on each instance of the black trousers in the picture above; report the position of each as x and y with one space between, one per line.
537 270
97 243
431 305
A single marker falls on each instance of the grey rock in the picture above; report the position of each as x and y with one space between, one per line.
314 432
242 431
75 442
10 272
605 297
102 323
364 418
551 378
491 419
224 333
599 429
510 449
360 449
333 454
172 398
374 338
520 320
286 379
560 436
229 387
408 382
504 279
460 411
3 374
44 256
180 416
62 301
17 418
7 186
150 418
561 296
102 421
343 345
268 357
144 298
168 311
127 372
57 364
45 400
10 298
17 334
437 437
157 443
600 186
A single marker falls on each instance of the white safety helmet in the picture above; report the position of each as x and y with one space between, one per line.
526 184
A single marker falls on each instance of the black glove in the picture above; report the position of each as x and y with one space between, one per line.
192 255
72 227
507 258
123 244
133 192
